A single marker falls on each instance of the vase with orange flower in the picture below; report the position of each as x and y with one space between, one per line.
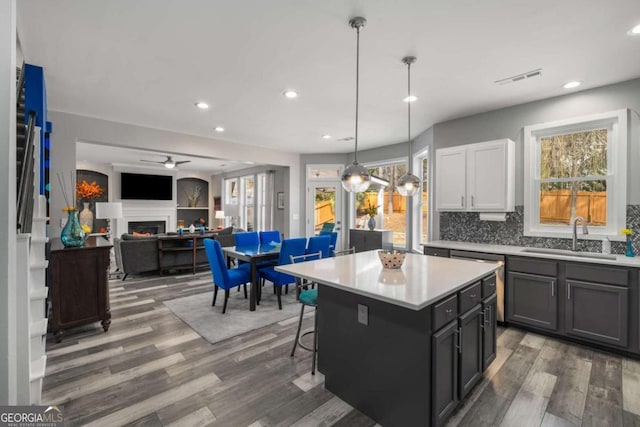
86 192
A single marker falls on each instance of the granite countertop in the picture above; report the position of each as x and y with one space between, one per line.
421 281
620 260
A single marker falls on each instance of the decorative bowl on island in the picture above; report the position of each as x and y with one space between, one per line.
392 259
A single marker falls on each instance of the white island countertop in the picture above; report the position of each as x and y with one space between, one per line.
420 282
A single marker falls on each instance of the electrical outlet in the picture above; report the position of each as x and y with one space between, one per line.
363 314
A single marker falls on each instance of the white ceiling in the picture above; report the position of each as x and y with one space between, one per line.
132 158
147 62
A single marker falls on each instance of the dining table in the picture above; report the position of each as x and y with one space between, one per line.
254 254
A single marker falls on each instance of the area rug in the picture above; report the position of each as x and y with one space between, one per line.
212 325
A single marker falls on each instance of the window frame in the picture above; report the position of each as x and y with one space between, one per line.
417 204
380 223
617 136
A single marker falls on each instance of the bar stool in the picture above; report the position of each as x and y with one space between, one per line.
307 298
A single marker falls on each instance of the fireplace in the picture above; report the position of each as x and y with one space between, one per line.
151 227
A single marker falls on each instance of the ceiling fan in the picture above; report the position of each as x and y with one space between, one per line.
169 163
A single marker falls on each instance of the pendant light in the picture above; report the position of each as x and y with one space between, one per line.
355 177
409 184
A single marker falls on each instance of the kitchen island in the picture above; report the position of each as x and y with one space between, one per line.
402 346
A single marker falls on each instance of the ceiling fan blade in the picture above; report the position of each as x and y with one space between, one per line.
182 161
151 161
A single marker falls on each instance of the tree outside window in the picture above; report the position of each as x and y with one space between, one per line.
391 205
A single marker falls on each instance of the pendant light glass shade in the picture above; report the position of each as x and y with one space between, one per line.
355 177
409 184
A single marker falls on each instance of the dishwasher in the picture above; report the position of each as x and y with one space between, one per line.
481 257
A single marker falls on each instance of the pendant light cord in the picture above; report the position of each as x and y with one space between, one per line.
409 114
355 158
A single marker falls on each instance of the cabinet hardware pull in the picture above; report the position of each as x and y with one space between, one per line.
472 201
448 311
490 315
462 201
553 288
568 290
483 322
459 340
472 296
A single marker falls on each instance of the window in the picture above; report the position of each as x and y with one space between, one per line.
576 168
231 191
247 213
392 206
421 200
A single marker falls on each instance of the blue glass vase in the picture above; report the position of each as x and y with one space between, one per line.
72 234
629 252
372 223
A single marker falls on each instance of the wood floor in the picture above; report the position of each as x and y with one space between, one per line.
151 369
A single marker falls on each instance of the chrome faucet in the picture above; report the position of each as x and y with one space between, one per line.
585 230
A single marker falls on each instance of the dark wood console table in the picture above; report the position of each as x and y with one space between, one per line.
188 242
79 284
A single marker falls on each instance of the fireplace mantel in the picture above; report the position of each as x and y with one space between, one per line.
146 211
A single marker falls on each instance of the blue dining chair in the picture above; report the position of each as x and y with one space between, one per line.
224 278
267 237
247 238
334 240
320 244
289 248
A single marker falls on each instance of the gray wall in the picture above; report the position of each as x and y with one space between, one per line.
510 123
71 128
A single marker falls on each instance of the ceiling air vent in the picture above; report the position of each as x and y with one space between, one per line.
520 77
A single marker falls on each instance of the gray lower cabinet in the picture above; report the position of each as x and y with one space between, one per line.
532 300
470 366
444 363
597 312
489 326
366 240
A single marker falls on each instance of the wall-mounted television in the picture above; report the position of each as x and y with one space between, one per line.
136 186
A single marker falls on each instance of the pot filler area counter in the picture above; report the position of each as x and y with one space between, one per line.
403 346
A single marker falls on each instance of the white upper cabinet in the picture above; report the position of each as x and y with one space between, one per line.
476 177
451 178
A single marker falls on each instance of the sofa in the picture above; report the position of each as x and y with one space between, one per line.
139 254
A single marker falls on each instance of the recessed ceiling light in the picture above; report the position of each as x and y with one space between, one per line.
219 129
202 105
290 94
635 30
410 98
571 85
326 136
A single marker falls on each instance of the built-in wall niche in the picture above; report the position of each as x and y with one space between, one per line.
103 181
193 200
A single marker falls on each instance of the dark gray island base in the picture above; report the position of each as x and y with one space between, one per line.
402 369
403 346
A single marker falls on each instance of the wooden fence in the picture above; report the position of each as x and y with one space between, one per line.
325 212
555 206
399 202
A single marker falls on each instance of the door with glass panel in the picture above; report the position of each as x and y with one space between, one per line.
324 207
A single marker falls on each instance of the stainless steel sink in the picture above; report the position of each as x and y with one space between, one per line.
565 252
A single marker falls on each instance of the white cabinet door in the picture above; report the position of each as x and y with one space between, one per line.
487 176
450 179
476 177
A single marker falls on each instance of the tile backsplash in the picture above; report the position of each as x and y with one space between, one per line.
467 227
